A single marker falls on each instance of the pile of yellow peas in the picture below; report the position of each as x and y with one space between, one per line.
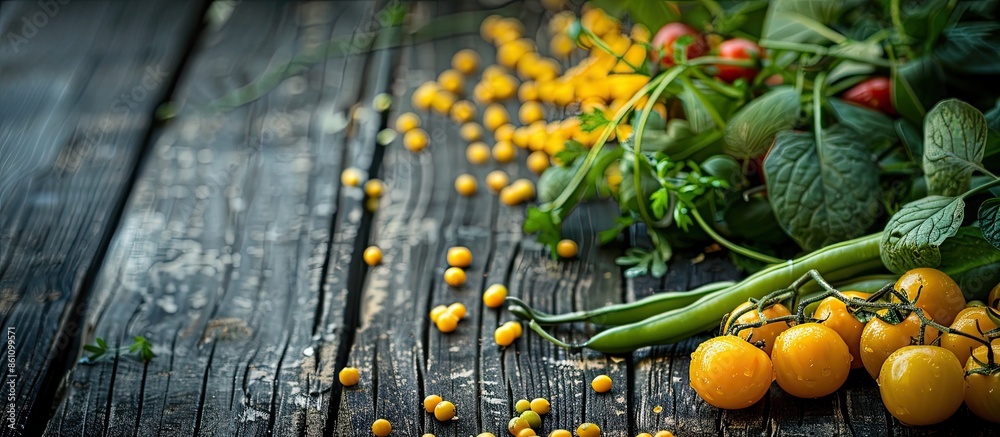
507 333
601 81
528 420
446 318
442 410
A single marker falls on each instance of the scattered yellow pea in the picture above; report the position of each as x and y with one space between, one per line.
561 45
525 188
488 27
471 131
374 188
504 133
447 322
495 116
486 434
540 405
521 136
663 434
527 92
516 327
601 384
372 255
527 432
430 402
459 256
351 177
444 411
415 140
560 433
566 248
530 112
442 101
496 180
521 405
495 295
644 434
424 95
510 52
478 153
538 162
588 430
465 61
437 311
454 277
406 122
381 428
457 309
462 111
534 420
465 184
517 424
451 81
504 151
349 376
504 336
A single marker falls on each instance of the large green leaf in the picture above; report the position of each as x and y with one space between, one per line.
916 86
751 130
913 235
800 20
971 47
989 221
874 125
971 261
954 138
822 193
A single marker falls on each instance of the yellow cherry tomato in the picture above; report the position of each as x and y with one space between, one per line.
810 360
727 372
922 385
516 425
454 277
447 322
504 336
766 333
940 297
372 255
560 433
981 389
835 315
880 339
588 430
994 298
459 256
973 321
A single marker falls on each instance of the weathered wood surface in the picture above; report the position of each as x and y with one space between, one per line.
79 82
238 251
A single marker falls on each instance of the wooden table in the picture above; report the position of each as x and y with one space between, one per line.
175 178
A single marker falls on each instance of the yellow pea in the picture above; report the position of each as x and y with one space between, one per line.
406 122
478 153
349 376
465 61
372 255
465 184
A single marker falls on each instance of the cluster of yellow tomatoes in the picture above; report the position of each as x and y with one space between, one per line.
923 375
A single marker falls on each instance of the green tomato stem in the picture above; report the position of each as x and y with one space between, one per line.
640 199
712 111
816 49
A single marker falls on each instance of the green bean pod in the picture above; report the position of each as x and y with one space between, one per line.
623 313
679 324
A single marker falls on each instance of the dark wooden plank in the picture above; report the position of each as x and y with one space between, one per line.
222 252
80 83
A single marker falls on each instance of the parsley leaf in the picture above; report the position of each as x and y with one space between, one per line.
593 120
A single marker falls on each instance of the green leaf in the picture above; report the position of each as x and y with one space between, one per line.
954 137
800 20
94 349
971 47
875 126
856 49
658 267
913 236
540 222
572 150
989 221
971 261
593 120
628 194
554 180
100 342
724 167
751 130
608 235
822 193
923 75
695 112
659 202
912 139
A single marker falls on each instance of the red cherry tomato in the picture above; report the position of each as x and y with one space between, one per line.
663 42
738 49
873 93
